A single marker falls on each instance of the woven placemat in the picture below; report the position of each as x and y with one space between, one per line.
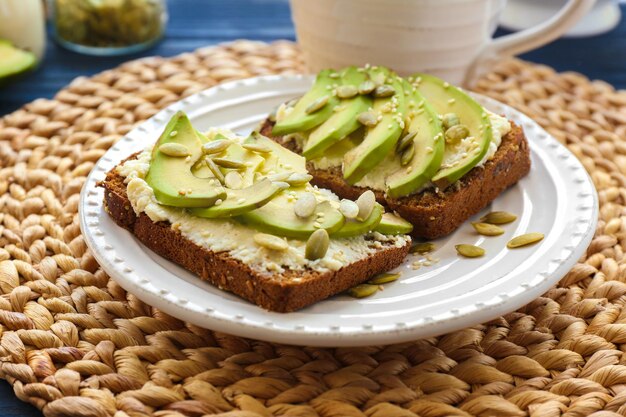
74 343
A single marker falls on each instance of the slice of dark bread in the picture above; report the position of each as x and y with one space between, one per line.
275 292
435 214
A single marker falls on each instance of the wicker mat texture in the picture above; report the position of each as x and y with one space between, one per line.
74 343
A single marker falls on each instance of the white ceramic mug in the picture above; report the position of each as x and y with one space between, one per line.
447 38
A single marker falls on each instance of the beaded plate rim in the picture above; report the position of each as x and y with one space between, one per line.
113 262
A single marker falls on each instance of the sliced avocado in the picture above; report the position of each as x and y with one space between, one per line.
299 120
240 201
13 60
171 178
380 139
429 146
342 122
446 98
356 228
278 218
280 159
390 224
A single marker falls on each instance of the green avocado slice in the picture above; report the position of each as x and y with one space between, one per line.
240 201
342 122
390 224
356 228
446 98
380 139
280 159
429 146
278 218
13 60
299 120
171 178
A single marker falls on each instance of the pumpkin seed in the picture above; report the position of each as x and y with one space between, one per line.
293 101
365 202
368 119
281 184
422 247
383 91
229 163
487 229
256 147
363 290
379 79
317 104
407 155
317 245
383 278
456 133
176 150
297 179
523 240
366 87
498 217
449 119
216 146
347 91
233 180
405 141
305 205
349 209
281 176
270 241
469 251
215 169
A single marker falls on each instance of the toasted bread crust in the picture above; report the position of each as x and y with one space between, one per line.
280 293
435 214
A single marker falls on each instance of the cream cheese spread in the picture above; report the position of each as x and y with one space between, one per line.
226 235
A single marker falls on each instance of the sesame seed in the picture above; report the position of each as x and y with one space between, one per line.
173 133
218 201
451 101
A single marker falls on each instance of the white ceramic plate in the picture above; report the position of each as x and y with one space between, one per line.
557 199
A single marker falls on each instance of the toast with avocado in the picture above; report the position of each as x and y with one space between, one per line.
428 150
241 214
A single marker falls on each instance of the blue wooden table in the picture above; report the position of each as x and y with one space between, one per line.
196 23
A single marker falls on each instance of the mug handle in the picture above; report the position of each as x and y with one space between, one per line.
527 39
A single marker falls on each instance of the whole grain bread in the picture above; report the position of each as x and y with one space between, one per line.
438 213
289 291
